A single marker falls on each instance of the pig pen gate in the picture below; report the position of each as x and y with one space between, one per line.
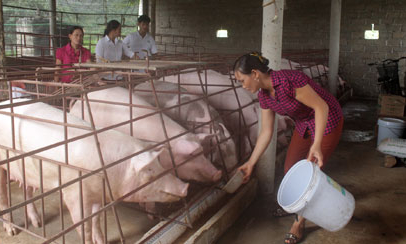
37 82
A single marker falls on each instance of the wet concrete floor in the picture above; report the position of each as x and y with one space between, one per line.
380 194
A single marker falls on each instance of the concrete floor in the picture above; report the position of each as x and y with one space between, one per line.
380 194
134 223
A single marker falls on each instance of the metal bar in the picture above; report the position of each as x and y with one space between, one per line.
169 146
212 122
25 193
82 214
65 12
97 171
61 202
22 229
99 152
134 120
41 188
48 160
130 108
113 203
99 131
193 201
242 114
104 212
9 187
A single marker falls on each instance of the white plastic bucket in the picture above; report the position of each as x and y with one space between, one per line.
390 128
310 193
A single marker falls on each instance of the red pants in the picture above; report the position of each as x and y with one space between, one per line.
299 147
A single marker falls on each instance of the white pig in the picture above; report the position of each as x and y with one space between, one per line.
191 114
124 177
150 128
225 101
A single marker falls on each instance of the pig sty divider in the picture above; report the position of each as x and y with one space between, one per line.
43 170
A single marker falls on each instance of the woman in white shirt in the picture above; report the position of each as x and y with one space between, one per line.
110 48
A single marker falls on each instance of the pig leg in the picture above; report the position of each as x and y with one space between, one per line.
150 208
3 202
97 235
71 201
31 209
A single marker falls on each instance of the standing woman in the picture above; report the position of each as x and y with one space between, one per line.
317 115
110 48
73 52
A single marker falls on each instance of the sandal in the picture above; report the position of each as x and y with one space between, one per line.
291 238
279 212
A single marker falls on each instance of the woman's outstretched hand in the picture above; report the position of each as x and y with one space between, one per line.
246 169
315 155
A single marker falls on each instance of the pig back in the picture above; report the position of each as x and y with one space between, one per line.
31 135
105 114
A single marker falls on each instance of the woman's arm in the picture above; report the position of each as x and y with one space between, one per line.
127 51
58 63
310 98
264 137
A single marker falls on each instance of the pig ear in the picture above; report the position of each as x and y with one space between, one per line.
186 147
207 141
144 159
205 138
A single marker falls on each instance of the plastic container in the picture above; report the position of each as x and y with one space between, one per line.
308 192
390 128
234 183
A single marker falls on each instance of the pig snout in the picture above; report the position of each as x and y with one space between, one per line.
183 190
205 171
208 173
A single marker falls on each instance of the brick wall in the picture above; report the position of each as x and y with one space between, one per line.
306 26
202 18
389 17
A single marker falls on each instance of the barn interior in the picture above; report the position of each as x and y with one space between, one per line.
68 174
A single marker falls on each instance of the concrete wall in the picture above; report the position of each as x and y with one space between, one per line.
306 26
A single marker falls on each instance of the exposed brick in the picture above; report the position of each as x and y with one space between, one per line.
393 43
399 35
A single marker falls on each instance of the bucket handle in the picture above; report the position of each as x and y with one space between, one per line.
301 212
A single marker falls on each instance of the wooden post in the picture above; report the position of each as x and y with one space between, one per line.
145 7
3 85
334 51
52 26
152 10
2 43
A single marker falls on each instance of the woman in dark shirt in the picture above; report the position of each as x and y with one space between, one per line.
317 115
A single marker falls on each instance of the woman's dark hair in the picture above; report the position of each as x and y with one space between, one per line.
73 28
111 25
247 62
144 18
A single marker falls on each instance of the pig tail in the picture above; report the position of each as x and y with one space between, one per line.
250 61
